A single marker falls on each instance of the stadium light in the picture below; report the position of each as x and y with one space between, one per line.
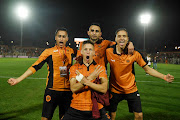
145 19
22 13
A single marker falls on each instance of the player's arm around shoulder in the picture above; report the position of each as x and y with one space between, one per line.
130 48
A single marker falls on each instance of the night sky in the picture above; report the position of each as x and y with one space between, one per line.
77 15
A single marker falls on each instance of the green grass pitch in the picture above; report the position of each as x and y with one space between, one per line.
160 100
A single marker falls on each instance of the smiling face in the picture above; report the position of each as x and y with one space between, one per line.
61 38
94 33
122 38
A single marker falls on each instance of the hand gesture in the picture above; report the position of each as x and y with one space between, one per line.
169 78
13 81
83 80
95 73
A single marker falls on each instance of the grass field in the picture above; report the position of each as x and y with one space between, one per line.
160 100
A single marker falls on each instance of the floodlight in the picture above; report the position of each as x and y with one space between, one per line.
145 18
22 12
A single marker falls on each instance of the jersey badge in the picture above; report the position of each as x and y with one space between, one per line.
127 61
48 98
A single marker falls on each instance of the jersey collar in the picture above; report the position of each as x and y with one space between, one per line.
81 62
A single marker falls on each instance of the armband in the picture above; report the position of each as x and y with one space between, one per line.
79 77
165 77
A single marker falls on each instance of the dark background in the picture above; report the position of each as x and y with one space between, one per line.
77 15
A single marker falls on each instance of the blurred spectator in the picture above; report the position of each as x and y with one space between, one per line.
155 63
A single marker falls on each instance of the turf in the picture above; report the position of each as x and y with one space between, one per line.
160 100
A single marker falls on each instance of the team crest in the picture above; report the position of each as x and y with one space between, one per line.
48 98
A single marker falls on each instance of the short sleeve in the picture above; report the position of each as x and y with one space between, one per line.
141 61
72 72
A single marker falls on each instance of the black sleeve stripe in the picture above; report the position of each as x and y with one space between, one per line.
143 57
39 66
51 72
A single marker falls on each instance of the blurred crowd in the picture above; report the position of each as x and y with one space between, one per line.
16 51
31 52
165 57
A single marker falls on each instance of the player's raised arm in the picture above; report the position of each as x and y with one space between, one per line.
152 72
13 81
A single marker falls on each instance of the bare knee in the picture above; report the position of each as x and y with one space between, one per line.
43 118
113 115
138 116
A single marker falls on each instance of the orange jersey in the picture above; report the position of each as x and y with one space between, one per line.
122 75
54 58
82 100
100 51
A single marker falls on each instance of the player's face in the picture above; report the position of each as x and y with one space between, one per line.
94 32
61 38
88 52
122 39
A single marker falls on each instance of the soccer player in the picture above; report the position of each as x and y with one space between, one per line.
100 45
58 59
122 76
82 78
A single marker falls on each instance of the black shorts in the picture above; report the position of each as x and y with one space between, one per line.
73 114
52 99
133 99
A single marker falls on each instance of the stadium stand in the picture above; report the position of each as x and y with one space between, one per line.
20 52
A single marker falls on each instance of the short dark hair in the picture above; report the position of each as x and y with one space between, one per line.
87 42
121 29
61 29
96 24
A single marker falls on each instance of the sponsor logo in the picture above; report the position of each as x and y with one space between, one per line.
48 98
112 60
55 51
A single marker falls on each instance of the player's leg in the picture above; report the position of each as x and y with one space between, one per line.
113 115
43 118
49 104
104 114
74 114
134 104
114 100
138 116
64 102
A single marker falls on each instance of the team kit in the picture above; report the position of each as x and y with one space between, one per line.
82 90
